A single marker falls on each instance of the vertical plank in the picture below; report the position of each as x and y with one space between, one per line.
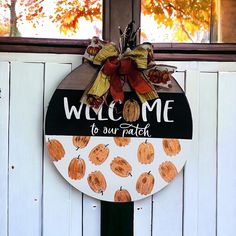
4 118
91 214
25 149
143 217
226 213
207 154
190 210
168 203
62 204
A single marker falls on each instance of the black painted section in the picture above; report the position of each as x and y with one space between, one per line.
117 219
58 124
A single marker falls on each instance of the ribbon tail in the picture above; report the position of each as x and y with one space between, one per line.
100 86
116 89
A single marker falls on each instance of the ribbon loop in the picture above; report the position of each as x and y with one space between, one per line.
129 66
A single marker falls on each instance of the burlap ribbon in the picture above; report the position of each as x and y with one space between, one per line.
119 68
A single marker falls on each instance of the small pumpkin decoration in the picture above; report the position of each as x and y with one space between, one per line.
131 110
99 154
80 141
122 195
121 167
93 51
122 141
171 146
145 183
154 75
55 149
97 182
168 171
145 153
77 168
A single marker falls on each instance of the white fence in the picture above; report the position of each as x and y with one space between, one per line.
36 201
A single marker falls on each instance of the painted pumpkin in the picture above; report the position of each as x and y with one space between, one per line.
145 153
171 146
145 183
80 141
121 167
99 154
97 182
122 141
55 149
122 195
131 110
77 168
93 50
168 171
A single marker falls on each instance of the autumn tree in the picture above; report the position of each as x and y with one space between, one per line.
21 10
68 13
187 16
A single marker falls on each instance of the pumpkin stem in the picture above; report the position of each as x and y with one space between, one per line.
130 175
78 156
77 148
102 193
120 188
106 145
149 172
49 140
146 141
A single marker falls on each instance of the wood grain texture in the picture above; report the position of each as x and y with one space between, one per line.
4 124
25 149
226 213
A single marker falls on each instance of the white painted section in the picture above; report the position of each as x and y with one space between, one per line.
59 198
143 217
226 213
190 207
201 201
25 149
168 203
207 154
4 119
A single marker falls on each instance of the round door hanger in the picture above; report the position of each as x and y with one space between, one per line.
123 152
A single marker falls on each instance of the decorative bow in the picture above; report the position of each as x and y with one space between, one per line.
131 66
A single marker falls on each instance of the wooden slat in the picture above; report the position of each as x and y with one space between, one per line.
4 118
207 154
168 203
190 217
143 217
226 212
62 204
91 214
25 150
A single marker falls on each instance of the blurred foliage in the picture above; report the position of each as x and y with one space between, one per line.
186 16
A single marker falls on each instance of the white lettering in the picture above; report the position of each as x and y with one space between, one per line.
72 110
165 113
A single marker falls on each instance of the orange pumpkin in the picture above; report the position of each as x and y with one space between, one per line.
99 154
145 153
97 182
121 167
122 141
93 50
55 149
77 168
145 183
122 195
131 110
80 141
171 146
168 171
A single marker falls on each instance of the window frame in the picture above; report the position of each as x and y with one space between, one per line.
111 20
